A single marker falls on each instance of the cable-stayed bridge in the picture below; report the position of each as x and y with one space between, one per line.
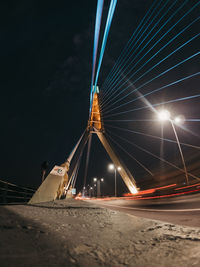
153 85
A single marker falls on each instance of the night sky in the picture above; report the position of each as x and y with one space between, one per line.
46 63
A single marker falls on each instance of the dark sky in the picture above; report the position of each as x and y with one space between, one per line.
46 56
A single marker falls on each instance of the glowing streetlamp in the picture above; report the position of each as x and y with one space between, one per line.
179 120
112 167
164 115
91 191
98 181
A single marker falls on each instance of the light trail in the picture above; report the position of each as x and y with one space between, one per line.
154 210
184 187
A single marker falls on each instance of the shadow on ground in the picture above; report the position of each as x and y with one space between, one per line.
27 243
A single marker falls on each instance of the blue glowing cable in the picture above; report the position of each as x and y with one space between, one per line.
154 105
130 155
160 88
114 80
131 40
108 90
131 83
156 55
133 37
152 136
158 40
146 62
192 120
105 37
154 155
96 40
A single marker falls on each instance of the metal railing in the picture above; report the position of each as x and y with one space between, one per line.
13 194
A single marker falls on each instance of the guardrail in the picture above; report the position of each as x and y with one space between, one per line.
13 194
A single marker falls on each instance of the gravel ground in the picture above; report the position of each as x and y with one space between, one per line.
77 233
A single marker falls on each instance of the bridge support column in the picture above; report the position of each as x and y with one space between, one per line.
124 172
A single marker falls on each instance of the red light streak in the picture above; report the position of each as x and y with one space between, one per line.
171 195
150 191
187 186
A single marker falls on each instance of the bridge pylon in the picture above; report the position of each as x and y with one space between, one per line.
95 125
59 179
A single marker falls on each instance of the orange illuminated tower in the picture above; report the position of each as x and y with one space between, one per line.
95 125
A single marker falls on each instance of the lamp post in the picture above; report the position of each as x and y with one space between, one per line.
91 192
164 115
98 181
112 167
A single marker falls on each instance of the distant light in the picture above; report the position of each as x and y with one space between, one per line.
164 115
94 179
111 167
84 187
95 185
119 168
102 179
91 188
179 120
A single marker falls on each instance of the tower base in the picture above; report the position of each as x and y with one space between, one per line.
50 189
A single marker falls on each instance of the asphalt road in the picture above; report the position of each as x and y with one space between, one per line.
182 210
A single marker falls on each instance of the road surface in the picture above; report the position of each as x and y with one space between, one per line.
182 210
76 233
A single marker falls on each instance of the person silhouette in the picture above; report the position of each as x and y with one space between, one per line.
44 167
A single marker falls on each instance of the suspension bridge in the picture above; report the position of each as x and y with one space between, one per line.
157 69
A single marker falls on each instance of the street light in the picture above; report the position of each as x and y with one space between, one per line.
98 181
164 115
91 191
179 120
112 167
